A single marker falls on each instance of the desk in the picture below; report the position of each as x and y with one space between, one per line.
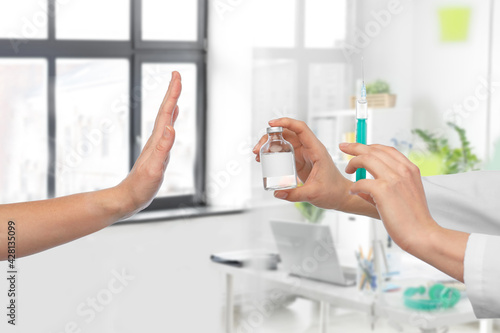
388 306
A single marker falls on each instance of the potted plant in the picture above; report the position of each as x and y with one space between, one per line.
378 95
440 158
311 213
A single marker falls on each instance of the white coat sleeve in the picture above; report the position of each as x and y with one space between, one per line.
468 202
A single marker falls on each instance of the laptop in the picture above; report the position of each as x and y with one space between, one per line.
307 251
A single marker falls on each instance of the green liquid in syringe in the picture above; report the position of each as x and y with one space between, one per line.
361 138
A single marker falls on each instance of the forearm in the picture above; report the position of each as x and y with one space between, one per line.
358 206
440 247
443 249
41 225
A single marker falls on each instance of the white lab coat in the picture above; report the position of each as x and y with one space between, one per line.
470 202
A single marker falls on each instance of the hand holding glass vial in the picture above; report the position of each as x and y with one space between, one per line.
278 162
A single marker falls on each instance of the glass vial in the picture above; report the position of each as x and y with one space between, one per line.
278 161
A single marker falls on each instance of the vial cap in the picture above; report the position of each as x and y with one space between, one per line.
274 130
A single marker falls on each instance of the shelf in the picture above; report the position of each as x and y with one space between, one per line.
333 114
352 112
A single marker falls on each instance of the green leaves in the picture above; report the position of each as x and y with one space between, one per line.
455 160
310 212
378 87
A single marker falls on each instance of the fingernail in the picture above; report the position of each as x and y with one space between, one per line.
343 145
255 148
167 132
272 121
280 195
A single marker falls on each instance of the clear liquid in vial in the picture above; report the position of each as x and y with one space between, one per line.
278 171
280 183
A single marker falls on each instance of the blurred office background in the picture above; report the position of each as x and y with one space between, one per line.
80 85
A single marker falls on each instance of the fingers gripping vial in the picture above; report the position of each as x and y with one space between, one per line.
361 116
278 161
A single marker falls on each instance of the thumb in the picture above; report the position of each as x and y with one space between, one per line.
365 189
298 194
367 198
163 146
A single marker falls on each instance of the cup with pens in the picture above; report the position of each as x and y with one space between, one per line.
367 279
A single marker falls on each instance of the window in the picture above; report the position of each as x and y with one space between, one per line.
78 100
23 110
23 18
92 146
73 18
179 27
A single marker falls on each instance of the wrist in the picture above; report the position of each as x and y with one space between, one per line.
442 248
345 203
354 204
427 238
122 204
449 243
114 204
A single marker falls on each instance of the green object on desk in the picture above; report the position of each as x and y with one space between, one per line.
440 297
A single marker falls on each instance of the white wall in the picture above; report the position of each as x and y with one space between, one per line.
230 140
429 75
448 74
388 55
495 116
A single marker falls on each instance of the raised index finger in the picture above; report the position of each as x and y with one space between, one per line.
354 149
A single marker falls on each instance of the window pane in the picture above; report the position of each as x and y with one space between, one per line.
93 19
170 20
25 19
23 130
92 124
179 178
275 23
326 22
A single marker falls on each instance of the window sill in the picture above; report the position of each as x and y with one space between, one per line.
181 213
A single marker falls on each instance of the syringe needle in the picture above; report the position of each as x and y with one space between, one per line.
363 68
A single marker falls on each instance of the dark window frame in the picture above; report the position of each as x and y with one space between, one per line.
137 52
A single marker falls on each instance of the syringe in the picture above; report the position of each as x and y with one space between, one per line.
361 116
